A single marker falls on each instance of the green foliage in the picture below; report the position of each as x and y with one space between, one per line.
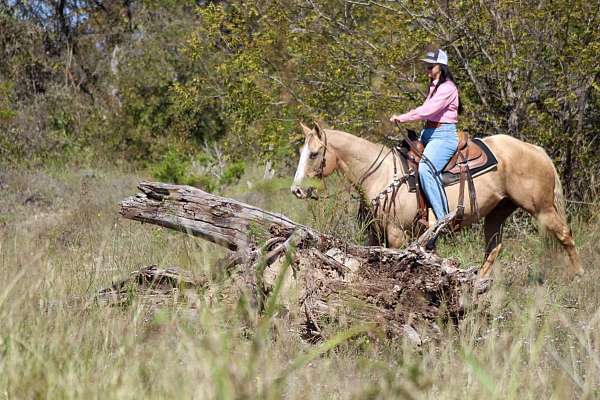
233 173
205 182
174 168
162 74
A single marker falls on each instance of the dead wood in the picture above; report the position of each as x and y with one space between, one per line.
397 291
153 284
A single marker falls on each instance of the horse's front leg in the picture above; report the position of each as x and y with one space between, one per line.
396 236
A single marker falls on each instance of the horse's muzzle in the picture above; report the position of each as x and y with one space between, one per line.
298 192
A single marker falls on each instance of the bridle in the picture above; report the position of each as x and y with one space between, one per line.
323 143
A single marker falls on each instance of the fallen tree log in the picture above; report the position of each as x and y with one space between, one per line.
326 278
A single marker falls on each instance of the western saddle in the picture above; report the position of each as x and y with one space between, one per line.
467 157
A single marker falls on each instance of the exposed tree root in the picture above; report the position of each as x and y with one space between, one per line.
396 292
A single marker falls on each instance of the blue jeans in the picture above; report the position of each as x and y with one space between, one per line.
440 144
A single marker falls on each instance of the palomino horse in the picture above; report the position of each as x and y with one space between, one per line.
525 177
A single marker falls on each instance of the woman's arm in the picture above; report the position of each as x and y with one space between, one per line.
445 94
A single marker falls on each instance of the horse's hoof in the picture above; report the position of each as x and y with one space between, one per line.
482 285
577 275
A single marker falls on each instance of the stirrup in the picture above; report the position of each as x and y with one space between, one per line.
431 245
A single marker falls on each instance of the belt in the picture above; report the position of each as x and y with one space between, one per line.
433 124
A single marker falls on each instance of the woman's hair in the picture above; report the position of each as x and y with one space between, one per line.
446 75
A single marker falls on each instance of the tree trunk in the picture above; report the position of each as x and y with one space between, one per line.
394 291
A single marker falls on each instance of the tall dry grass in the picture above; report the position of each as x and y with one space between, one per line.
534 335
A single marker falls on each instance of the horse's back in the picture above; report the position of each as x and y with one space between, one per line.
525 170
515 152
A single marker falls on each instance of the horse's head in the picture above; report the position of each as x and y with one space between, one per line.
317 159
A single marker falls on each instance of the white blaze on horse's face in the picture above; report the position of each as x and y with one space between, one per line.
311 162
301 169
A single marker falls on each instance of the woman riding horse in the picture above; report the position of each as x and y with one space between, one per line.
523 178
440 111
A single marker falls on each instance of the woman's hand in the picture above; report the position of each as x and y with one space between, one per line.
395 118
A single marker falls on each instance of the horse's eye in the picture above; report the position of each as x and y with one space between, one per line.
314 155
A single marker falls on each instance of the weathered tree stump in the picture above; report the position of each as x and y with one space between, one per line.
326 278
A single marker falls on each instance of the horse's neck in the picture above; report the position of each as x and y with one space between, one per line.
357 157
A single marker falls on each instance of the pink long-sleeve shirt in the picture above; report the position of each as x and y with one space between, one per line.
441 107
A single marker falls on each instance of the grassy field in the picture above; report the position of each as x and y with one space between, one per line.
61 239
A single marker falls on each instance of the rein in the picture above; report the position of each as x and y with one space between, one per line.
392 188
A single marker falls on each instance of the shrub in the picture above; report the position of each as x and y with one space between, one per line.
205 182
173 168
233 173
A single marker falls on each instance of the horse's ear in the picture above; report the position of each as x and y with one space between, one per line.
307 131
318 131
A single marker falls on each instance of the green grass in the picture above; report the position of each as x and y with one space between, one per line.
61 239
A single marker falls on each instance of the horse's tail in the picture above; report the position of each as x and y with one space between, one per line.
559 205
559 197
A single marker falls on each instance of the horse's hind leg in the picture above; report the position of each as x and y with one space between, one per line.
551 221
494 222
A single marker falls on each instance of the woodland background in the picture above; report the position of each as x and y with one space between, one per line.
207 86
